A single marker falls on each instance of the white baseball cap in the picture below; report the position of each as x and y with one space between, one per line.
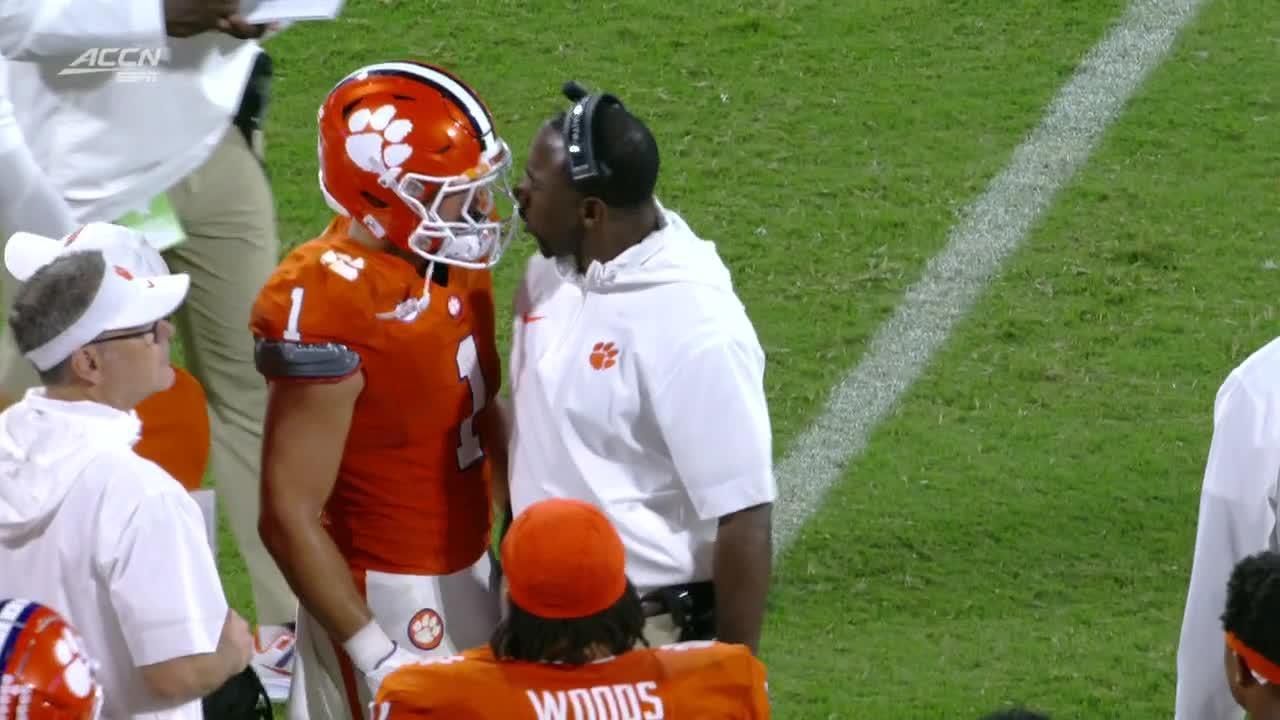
131 294
27 252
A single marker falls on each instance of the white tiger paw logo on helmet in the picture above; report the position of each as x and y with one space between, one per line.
376 140
75 666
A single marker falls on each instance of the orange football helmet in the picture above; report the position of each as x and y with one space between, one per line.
44 671
410 151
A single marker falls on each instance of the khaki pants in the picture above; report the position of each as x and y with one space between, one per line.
227 211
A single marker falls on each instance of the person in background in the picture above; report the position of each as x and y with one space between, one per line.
1237 518
107 538
175 422
173 145
1252 651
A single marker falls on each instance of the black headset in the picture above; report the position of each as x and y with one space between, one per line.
579 122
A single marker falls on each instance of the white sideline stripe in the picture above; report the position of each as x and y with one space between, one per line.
991 230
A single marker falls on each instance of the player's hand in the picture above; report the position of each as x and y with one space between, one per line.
236 643
184 18
397 659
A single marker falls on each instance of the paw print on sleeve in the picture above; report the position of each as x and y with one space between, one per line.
75 666
376 142
603 356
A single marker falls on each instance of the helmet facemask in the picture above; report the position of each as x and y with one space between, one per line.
461 220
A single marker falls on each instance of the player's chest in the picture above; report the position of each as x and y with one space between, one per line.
435 350
590 355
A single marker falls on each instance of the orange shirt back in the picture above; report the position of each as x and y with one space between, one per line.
703 680
412 491
175 430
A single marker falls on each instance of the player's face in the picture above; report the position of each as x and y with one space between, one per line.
549 206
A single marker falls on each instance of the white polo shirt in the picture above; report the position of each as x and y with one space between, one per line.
109 142
640 387
1238 518
109 540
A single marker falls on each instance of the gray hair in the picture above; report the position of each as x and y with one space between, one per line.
51 300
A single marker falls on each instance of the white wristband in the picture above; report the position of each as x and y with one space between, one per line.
368 647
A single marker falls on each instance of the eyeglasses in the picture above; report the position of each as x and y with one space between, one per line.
153 330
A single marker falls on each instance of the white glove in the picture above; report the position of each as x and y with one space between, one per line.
375 655
398 658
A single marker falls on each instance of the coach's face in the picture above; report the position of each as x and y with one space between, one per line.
127 366
549 205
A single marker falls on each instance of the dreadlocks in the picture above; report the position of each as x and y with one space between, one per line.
525 636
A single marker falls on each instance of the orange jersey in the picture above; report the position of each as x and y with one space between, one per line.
412 491
175 430
703 680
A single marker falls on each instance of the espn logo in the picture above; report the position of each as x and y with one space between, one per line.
126 64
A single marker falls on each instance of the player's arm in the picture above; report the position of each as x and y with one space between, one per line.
312 398
494 432
1237 518
715 421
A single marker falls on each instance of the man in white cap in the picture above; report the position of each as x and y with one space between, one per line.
175 422
103 536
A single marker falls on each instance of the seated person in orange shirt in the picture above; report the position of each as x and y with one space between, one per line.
567 648
175 423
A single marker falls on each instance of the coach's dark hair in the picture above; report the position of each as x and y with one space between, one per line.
1253 604
525 636
628 148
51 300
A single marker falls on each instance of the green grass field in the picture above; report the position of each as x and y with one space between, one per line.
1020 530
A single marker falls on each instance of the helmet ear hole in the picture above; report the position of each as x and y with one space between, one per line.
373 200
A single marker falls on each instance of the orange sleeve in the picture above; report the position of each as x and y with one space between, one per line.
761 706
175 430
398 696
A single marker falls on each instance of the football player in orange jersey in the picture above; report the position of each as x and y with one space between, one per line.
567 648
382 433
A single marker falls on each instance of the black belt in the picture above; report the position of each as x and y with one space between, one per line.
692 608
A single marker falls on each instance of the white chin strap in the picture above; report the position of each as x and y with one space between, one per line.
410 309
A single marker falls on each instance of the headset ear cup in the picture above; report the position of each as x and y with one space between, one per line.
573 90
579 131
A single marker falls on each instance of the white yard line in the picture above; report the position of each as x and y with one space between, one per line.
993 228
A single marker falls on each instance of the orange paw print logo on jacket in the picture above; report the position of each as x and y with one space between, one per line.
603 356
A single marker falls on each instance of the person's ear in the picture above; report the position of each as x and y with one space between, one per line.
593 211
86 363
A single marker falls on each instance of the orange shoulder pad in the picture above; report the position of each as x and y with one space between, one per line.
709 669
435 687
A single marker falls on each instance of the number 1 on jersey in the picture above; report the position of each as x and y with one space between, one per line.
469 371
295 309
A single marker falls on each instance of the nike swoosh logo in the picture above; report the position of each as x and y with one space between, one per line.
532 318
